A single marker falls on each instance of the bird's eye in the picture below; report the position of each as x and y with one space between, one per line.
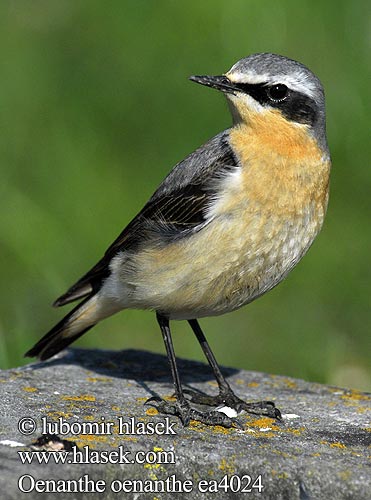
277 92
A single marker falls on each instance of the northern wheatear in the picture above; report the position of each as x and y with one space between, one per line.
225 226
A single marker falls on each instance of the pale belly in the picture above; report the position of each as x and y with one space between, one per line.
226 265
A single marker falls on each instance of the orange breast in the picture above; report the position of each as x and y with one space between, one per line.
283 168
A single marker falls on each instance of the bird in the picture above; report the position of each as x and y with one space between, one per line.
225 226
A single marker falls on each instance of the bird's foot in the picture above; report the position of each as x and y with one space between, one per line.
229 399
186 413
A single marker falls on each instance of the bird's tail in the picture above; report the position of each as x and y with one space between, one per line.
71 327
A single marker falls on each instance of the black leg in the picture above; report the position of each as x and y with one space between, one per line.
222 383
166 335
226 395
182 407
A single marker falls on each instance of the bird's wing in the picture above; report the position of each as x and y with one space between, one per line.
178 207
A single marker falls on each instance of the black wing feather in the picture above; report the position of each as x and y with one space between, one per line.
177 207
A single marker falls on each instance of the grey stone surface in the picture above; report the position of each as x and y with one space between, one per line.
322 450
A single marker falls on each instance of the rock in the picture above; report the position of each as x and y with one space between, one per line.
321 450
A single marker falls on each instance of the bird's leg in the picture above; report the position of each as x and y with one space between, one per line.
226 395
182 407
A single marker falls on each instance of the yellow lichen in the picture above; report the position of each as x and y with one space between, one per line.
227 466
98 379
356 396
338 445
240 381
334 445
170 398
56 414
281 453
83 397
152 466
279 475
290 383
363 409
218 429
151 412
295 432
197 426
264 422
265 434
283 475
89 439
345 475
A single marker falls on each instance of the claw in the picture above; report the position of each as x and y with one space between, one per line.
186 413
229 399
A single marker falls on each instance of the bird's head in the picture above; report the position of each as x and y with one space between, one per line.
264 83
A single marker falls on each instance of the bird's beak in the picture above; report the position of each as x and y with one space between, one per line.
216 82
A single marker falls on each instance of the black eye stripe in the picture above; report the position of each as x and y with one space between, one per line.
253 89
264 92
295 106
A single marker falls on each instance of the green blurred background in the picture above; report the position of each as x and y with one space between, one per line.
95 110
